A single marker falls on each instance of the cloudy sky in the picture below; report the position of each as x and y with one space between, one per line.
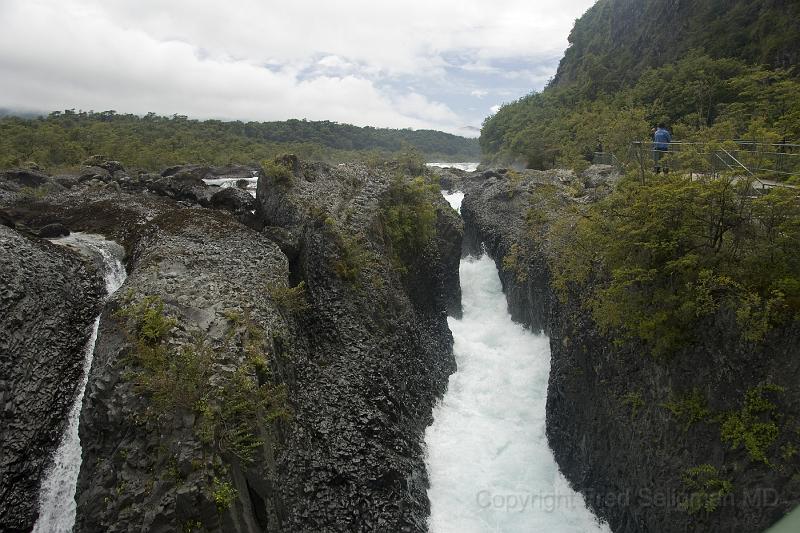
442 64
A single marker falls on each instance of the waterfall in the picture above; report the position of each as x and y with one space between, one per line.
57 493
488 459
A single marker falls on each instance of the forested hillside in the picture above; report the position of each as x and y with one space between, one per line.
63 139
616 40
720 69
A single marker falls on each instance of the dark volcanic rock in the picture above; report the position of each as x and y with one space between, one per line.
183 186
6 220
196 172
94 173
233 199
363 353
25 177
103 162
379 347
157 474
607 421
48 301
54 230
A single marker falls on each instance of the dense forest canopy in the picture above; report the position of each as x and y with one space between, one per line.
710 70
615 41
65 139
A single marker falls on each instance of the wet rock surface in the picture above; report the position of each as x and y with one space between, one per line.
607 421
153 470
317 307
49 298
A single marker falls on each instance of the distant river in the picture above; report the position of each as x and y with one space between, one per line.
466 166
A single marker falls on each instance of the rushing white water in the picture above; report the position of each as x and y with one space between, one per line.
455 199
488 459
232 182
466 166
57 494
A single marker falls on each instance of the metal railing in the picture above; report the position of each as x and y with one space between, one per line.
606 158
768 164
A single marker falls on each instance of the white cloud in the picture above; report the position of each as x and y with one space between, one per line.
478 93
248 59
494 109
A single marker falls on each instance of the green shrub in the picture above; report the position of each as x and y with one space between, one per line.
754 425
666 254
224 494
408 215
354 259
150 323
233 408
689 409
412 162
289 299
277 171
705 488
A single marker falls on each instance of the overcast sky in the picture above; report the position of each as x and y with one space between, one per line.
442 64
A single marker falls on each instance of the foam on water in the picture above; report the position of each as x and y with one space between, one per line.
466 166
57 493
224 183
454 199
488 459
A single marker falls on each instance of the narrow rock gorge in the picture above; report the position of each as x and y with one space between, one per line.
266 369
627 428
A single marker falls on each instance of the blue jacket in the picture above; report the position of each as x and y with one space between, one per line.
661 138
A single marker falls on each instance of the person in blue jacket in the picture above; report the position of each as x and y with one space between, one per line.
661 140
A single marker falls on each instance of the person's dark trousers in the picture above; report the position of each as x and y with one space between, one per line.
658 154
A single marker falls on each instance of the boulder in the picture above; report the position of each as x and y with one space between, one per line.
233 199
94 173
103 162
193 172
26 177
66 180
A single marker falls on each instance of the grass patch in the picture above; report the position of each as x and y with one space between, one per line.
292 300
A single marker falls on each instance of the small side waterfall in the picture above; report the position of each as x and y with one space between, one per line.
488 459
57 493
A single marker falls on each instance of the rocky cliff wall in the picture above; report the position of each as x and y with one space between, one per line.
49 298
380 352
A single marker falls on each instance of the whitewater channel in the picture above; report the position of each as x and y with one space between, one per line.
488 459
57 493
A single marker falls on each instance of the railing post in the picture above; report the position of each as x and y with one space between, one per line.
638 145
